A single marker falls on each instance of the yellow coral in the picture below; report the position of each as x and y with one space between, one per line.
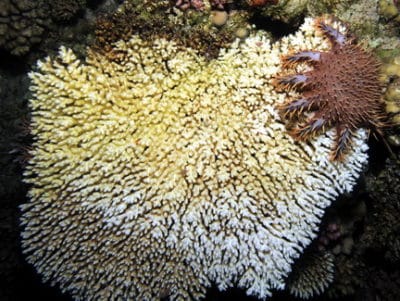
156 173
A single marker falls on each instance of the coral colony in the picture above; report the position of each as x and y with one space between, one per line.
342 90
159 173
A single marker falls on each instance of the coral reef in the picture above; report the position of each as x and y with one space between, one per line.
391 78
17 279
384 189
390 10
338 239
156 172
22 24
261 3
370 270
341 91
198 30
359 279
201 5
62 10
363 17
196 4
292 11
329 236
349 276
312 274
392 98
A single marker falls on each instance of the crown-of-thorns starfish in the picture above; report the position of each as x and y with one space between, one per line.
341 91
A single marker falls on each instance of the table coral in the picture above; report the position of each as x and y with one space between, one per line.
155 172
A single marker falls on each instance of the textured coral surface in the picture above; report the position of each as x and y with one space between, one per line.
312 275
156 173
22 24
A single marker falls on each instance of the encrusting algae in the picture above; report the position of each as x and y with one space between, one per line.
156 173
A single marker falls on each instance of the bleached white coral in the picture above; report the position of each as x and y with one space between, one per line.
155 173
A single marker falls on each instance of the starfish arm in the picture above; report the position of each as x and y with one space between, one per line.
309 128
293 81
342 140
302 56
295 107
334 35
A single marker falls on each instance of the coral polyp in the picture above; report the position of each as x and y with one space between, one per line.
340 90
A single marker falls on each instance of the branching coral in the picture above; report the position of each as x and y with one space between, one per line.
155 172
312 275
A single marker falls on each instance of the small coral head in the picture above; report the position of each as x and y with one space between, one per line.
339 89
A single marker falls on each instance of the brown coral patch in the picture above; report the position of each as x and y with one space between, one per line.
148 20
